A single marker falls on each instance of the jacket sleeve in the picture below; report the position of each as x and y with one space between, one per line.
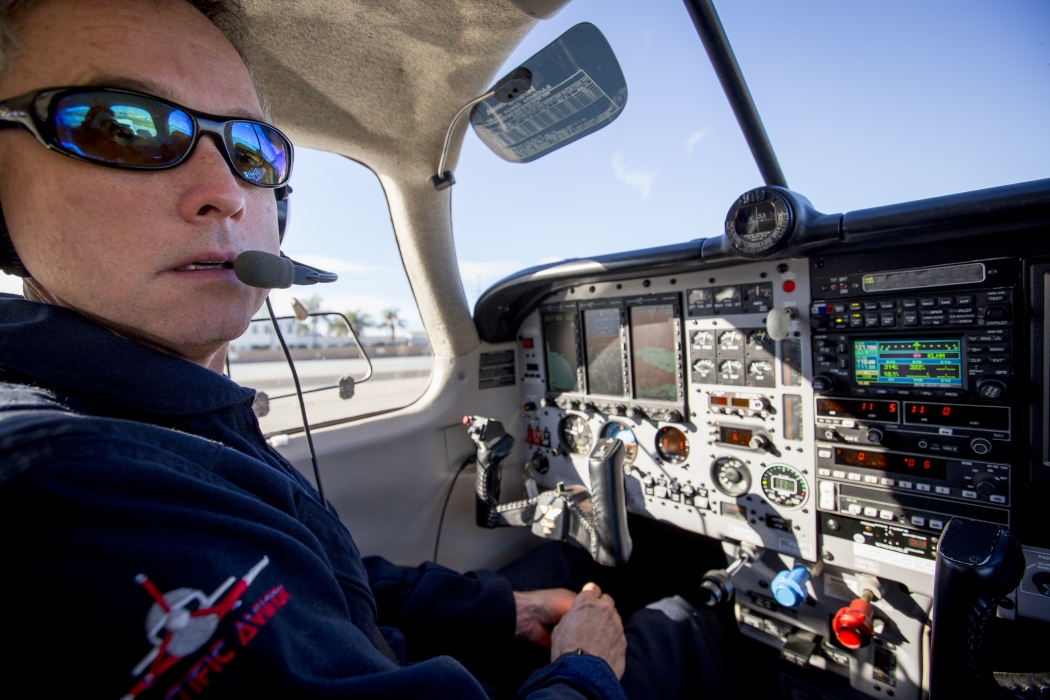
440 611
471 617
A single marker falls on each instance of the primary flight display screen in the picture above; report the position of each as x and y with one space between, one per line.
922 363
559 340
653 357
603 351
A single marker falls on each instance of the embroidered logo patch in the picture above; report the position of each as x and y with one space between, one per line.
182 621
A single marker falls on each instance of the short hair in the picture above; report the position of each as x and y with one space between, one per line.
227 15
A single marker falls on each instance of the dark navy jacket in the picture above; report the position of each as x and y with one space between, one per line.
153 545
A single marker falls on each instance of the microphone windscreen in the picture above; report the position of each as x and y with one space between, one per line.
264 270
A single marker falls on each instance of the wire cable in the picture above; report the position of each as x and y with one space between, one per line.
302 404
437 540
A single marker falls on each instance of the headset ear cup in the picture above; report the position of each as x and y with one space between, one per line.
9 260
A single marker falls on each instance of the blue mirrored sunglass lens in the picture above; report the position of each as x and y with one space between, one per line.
122 129
260 154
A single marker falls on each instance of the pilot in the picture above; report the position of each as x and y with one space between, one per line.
154 545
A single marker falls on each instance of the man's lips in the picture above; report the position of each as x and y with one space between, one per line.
205 266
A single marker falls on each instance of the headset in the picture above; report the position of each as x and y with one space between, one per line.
12 264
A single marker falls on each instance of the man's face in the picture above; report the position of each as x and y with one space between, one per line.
108 241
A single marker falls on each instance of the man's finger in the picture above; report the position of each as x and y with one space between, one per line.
592 588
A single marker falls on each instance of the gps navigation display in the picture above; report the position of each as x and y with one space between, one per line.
653 358
921 363
559 339
603 351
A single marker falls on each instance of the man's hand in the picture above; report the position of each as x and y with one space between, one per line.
592 624
539 612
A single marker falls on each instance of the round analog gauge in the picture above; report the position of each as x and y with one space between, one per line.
704 367
759 222
625 435
730 366
760 367
575 434
703 340
730 341
784 486
731 476
672 445
758 339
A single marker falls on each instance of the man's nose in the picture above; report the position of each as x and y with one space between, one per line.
212 191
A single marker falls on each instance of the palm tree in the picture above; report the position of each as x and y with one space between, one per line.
358 319
393 321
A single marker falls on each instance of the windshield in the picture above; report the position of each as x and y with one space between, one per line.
865 103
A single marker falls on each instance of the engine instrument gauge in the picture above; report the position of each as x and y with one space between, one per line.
703 340
760 368
575 434
620 431
672 445
784 486
759 222
731 367
730 341
704 367
731 476
759 340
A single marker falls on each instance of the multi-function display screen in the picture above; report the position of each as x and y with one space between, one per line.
921 363
929 467
955 416
859 409
603 351
653 358
559 337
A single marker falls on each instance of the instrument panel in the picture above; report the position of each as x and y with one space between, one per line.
832 421
715 412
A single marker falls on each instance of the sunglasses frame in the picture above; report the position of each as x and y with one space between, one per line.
34 111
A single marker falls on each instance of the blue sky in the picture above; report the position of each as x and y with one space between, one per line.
866 103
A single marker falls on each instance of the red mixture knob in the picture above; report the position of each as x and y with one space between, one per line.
853 625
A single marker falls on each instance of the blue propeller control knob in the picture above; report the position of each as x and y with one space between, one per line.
789 587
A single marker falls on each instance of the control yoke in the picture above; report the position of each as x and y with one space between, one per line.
597 519
977 565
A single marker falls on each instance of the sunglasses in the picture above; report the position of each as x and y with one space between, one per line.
135 131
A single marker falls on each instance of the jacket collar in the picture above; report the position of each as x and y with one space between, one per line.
63 349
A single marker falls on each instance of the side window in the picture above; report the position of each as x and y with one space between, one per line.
339 222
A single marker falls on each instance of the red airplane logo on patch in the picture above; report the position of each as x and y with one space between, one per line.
176 627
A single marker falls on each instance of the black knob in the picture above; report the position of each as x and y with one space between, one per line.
996 313
574 405
539 463
1042 582
758 442
620 409
547 401
980 446
819 321
588 406
986 484
635 413
823 382
830 434
991 388
673 416
529 406
875 435
732 475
